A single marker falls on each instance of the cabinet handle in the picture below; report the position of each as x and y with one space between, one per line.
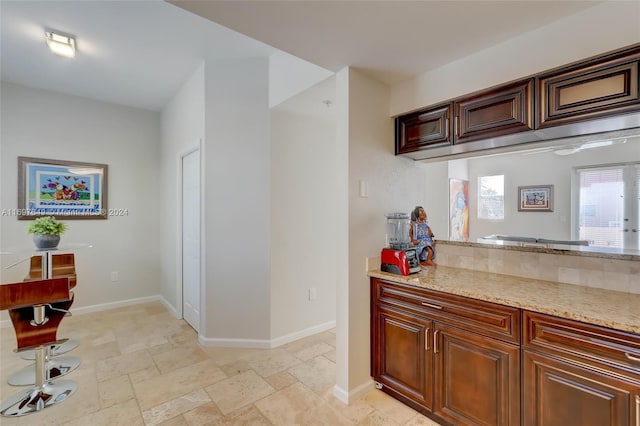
426 339
637 410
455 131
631 357
429 305
435 341
446 127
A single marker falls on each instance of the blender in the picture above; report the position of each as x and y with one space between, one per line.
400 256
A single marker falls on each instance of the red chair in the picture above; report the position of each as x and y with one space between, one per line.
36 325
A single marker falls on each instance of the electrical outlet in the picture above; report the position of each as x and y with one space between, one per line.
114 276
313 293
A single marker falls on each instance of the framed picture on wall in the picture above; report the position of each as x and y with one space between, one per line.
535 198
64 189
458 210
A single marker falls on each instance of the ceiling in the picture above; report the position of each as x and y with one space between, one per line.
139 53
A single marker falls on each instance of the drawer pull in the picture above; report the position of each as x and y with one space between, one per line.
631 357
426 339
435 341
429 305
637 410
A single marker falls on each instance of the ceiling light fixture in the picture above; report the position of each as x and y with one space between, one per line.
61 44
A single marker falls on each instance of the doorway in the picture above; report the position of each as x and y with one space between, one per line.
190 227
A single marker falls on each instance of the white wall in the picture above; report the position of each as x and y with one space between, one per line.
290 75
42 124
303 167
237 201
395 184
182 130
604 27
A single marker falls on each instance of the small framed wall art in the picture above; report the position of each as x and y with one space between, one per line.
537 198
64 189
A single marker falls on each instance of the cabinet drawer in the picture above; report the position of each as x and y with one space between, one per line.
588 343
594 89
485 318
426 128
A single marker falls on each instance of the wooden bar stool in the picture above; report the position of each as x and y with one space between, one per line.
62 266
29 304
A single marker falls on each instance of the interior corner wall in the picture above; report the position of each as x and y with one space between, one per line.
182 130
394 184
43 124
604 27
303 220
237 200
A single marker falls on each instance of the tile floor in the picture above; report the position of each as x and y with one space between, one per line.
141 366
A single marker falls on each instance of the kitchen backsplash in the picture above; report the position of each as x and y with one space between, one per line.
599 272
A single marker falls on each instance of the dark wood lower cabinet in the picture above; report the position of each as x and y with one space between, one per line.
465 362
453 375
562 393
477 380
401 359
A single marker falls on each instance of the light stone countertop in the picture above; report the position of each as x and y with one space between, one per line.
607 308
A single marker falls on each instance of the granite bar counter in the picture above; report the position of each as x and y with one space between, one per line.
617 310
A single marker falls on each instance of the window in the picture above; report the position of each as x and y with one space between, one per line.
491 197
608 199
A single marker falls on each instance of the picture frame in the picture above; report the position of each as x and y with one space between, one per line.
63 189
538 198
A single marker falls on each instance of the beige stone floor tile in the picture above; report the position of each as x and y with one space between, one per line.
420 420
355 412
286 406
319 374
126 413
235 368
274 362
331 355
313 351
237 391
159 389
246 416
123 364
175 407
388 407
205 414
176 421
179 357
115 391
280 380
223 356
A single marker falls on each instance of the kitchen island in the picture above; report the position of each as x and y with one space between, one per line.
471 347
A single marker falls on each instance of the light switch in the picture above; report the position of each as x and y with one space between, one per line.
363 188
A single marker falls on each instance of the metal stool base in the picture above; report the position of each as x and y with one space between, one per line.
38 398
54 350
56 367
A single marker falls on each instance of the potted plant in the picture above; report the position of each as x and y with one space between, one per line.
46 232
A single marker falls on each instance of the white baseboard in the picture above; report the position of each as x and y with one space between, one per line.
263 343
355 394
233 343
110 305
283 340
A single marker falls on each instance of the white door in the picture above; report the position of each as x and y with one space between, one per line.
191 238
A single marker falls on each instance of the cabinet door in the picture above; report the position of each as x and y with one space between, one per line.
559 393
598 88
477 379
501 111
423 129
402 360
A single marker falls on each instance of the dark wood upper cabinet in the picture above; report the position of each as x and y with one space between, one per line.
595 95
425 128
501 111
596 88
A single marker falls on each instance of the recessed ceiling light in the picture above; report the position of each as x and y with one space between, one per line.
61 44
